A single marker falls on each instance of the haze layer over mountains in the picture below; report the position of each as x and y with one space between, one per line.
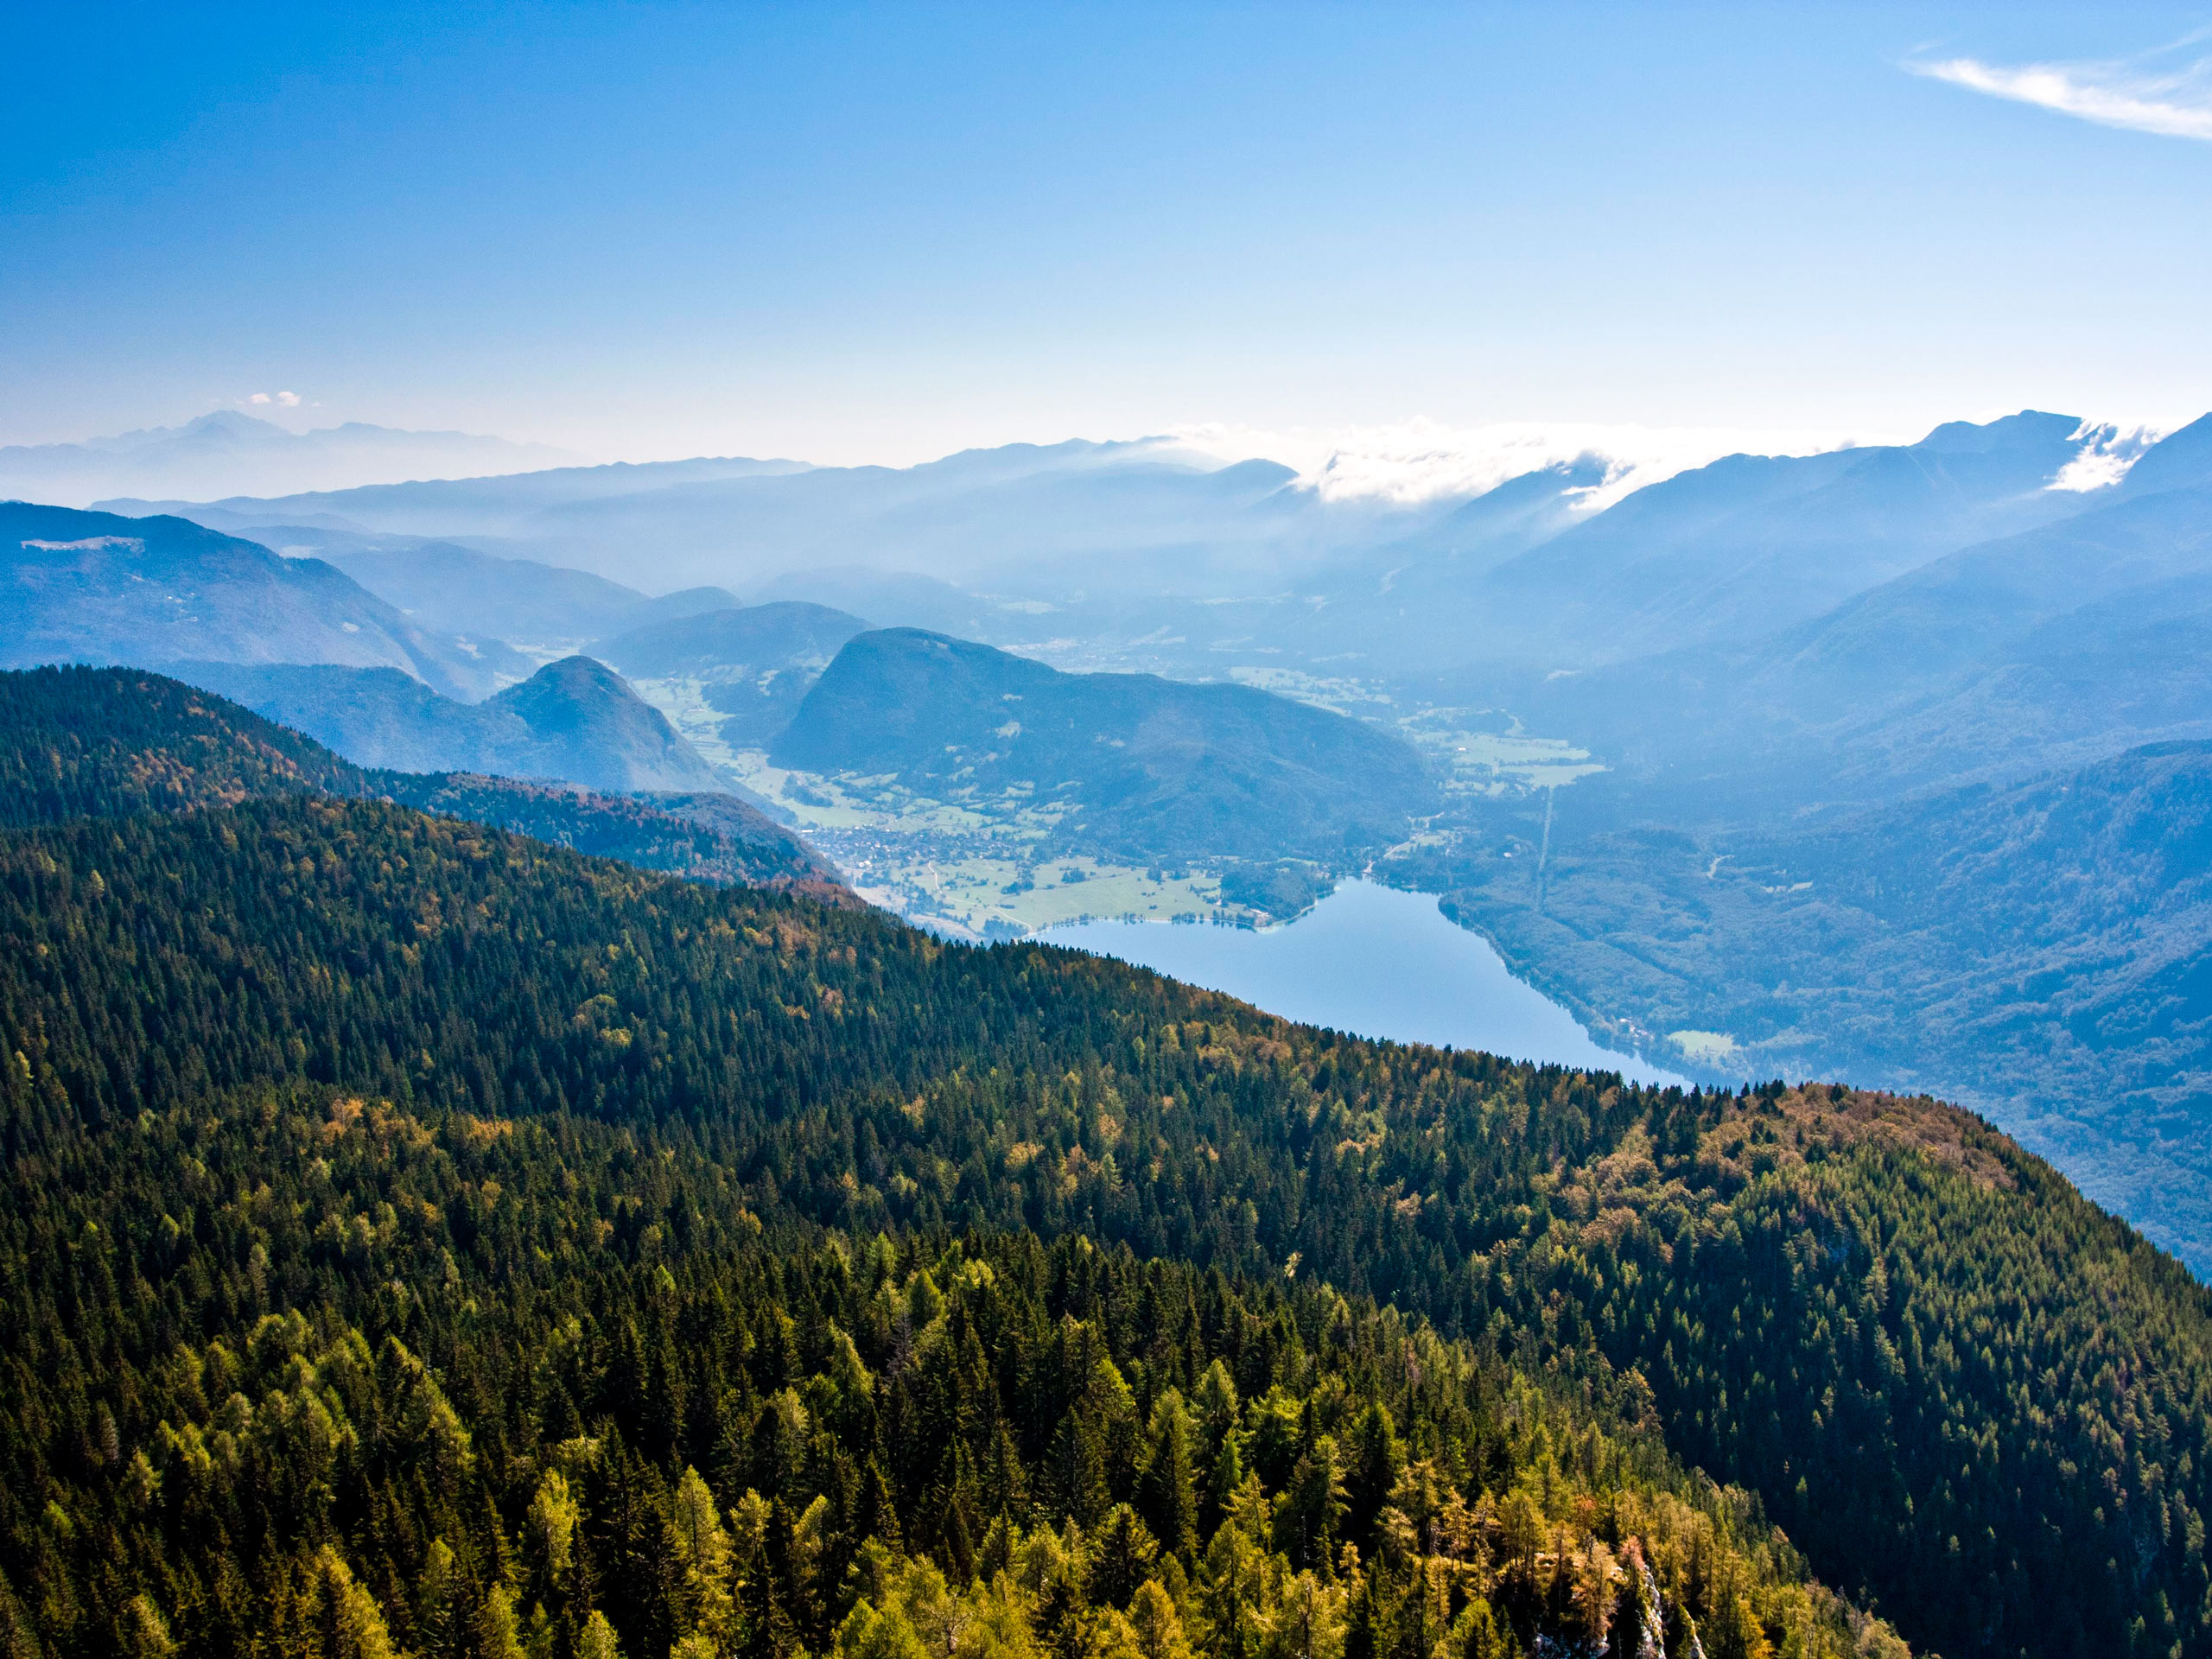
230 450
1699 757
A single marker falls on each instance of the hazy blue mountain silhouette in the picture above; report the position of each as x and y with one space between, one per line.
574 720
230 451
96 587
1022 518
2051 647
491 505
2180 461
1750 544
446 585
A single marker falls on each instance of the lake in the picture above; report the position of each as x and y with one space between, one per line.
1374 961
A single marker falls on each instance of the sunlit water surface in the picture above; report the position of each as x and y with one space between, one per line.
1373 961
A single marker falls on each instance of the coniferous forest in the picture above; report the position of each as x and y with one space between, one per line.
422 1239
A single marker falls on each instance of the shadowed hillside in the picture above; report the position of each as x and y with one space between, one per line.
1154 767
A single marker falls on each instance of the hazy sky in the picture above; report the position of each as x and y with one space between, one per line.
882 234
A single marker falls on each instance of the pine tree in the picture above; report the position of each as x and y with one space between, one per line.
497 1634
1158 1626
1122 1557
1169 1486
1373 1459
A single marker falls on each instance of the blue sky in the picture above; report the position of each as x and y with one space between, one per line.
884 233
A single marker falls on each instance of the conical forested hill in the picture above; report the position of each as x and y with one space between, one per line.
420 1238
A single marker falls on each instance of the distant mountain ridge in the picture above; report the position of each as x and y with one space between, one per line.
1141 547
491 505
1132 516
445 585
538 607
2083 637
1720 554
229 452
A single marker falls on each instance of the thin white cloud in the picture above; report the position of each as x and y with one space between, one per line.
2175 102
282 399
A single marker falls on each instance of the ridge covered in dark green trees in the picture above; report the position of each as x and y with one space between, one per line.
239 1042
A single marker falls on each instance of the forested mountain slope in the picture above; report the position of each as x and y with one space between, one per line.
115 741
467 1386
2041 946
1958 1386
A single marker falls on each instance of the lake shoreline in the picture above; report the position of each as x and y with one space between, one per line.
1376 961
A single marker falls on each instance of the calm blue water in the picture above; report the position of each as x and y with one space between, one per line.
1371 960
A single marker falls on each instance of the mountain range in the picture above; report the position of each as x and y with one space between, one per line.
1180 561
1713 556
2001 657
229 451
444 584
1133 519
